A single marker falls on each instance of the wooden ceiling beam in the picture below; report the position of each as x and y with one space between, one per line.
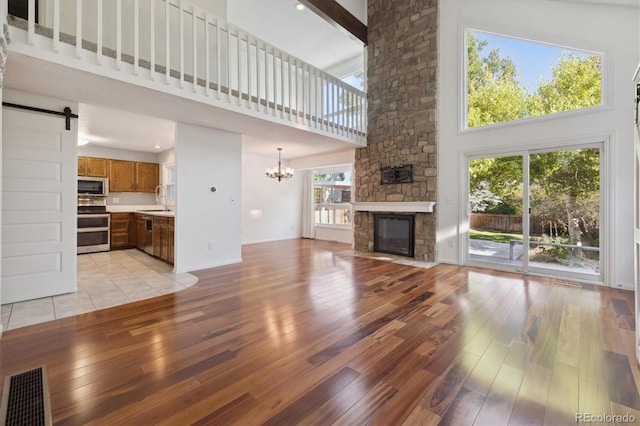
335 14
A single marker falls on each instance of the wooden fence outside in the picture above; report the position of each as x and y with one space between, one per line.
513 223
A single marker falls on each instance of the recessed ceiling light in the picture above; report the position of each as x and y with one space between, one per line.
157 146
300 6
82 142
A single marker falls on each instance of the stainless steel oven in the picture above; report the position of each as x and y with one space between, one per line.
94 222
93 232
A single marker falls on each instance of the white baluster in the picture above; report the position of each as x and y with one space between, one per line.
258 75
248 72
266 79
194 33
334 94
181 42
218 58
152 40
207 53
78 28
282 82
99 33
303 97
229 69
167 38
239 65
118 34
313 97
275 82
290 86
136 36
296 90
56 25
31 21
320 100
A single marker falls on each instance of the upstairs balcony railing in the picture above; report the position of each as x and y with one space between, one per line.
175 43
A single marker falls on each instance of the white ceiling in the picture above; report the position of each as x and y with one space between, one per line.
300 33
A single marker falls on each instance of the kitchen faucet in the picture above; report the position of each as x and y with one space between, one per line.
161 194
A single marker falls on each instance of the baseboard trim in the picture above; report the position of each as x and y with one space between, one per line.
212 265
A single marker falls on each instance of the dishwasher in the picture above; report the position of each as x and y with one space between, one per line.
148 230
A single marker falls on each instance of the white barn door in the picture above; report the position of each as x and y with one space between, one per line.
38 205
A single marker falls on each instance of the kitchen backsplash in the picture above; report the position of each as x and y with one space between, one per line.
131 198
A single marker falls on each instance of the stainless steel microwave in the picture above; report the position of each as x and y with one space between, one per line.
97 187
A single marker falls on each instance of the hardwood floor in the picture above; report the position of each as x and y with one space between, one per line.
302 332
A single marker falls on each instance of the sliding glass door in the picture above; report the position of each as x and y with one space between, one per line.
538 211
495 205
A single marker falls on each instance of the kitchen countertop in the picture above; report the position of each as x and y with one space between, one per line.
166 213
150 210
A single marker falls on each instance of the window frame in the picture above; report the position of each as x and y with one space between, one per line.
579 46
334 206
166 167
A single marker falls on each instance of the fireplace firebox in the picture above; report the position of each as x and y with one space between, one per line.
394 234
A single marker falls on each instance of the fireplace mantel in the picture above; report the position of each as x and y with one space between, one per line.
398 206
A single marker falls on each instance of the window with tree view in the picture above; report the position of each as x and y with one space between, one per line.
332 196
512 79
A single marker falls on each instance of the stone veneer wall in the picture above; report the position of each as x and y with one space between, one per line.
402 86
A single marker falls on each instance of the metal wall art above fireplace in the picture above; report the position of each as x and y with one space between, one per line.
394 234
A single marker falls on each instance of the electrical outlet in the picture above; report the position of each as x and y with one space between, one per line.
116 201
210 245
450 243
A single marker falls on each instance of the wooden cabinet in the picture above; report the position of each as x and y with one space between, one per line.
93 167
147 177
121 176
141 231
121 235
163 238
131 176
171 241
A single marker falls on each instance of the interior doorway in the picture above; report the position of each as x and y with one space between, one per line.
537 211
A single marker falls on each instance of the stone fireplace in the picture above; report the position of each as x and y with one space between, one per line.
402 128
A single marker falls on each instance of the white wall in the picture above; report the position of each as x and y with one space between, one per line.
324 160
117 154
271 210
208 224
168 156
610 28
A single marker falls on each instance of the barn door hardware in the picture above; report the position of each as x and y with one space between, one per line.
66 113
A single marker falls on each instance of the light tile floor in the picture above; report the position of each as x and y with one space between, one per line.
104 279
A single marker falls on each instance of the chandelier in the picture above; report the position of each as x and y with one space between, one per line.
279 172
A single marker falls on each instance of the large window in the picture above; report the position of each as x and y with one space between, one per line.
332 196
511 79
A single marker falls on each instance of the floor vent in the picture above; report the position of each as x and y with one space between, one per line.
566 283
25 399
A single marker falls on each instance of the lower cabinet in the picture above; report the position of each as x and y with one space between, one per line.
163 238
123 233
141 232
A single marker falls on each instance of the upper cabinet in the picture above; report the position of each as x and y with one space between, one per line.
130 176
122 176
94 167
147 177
